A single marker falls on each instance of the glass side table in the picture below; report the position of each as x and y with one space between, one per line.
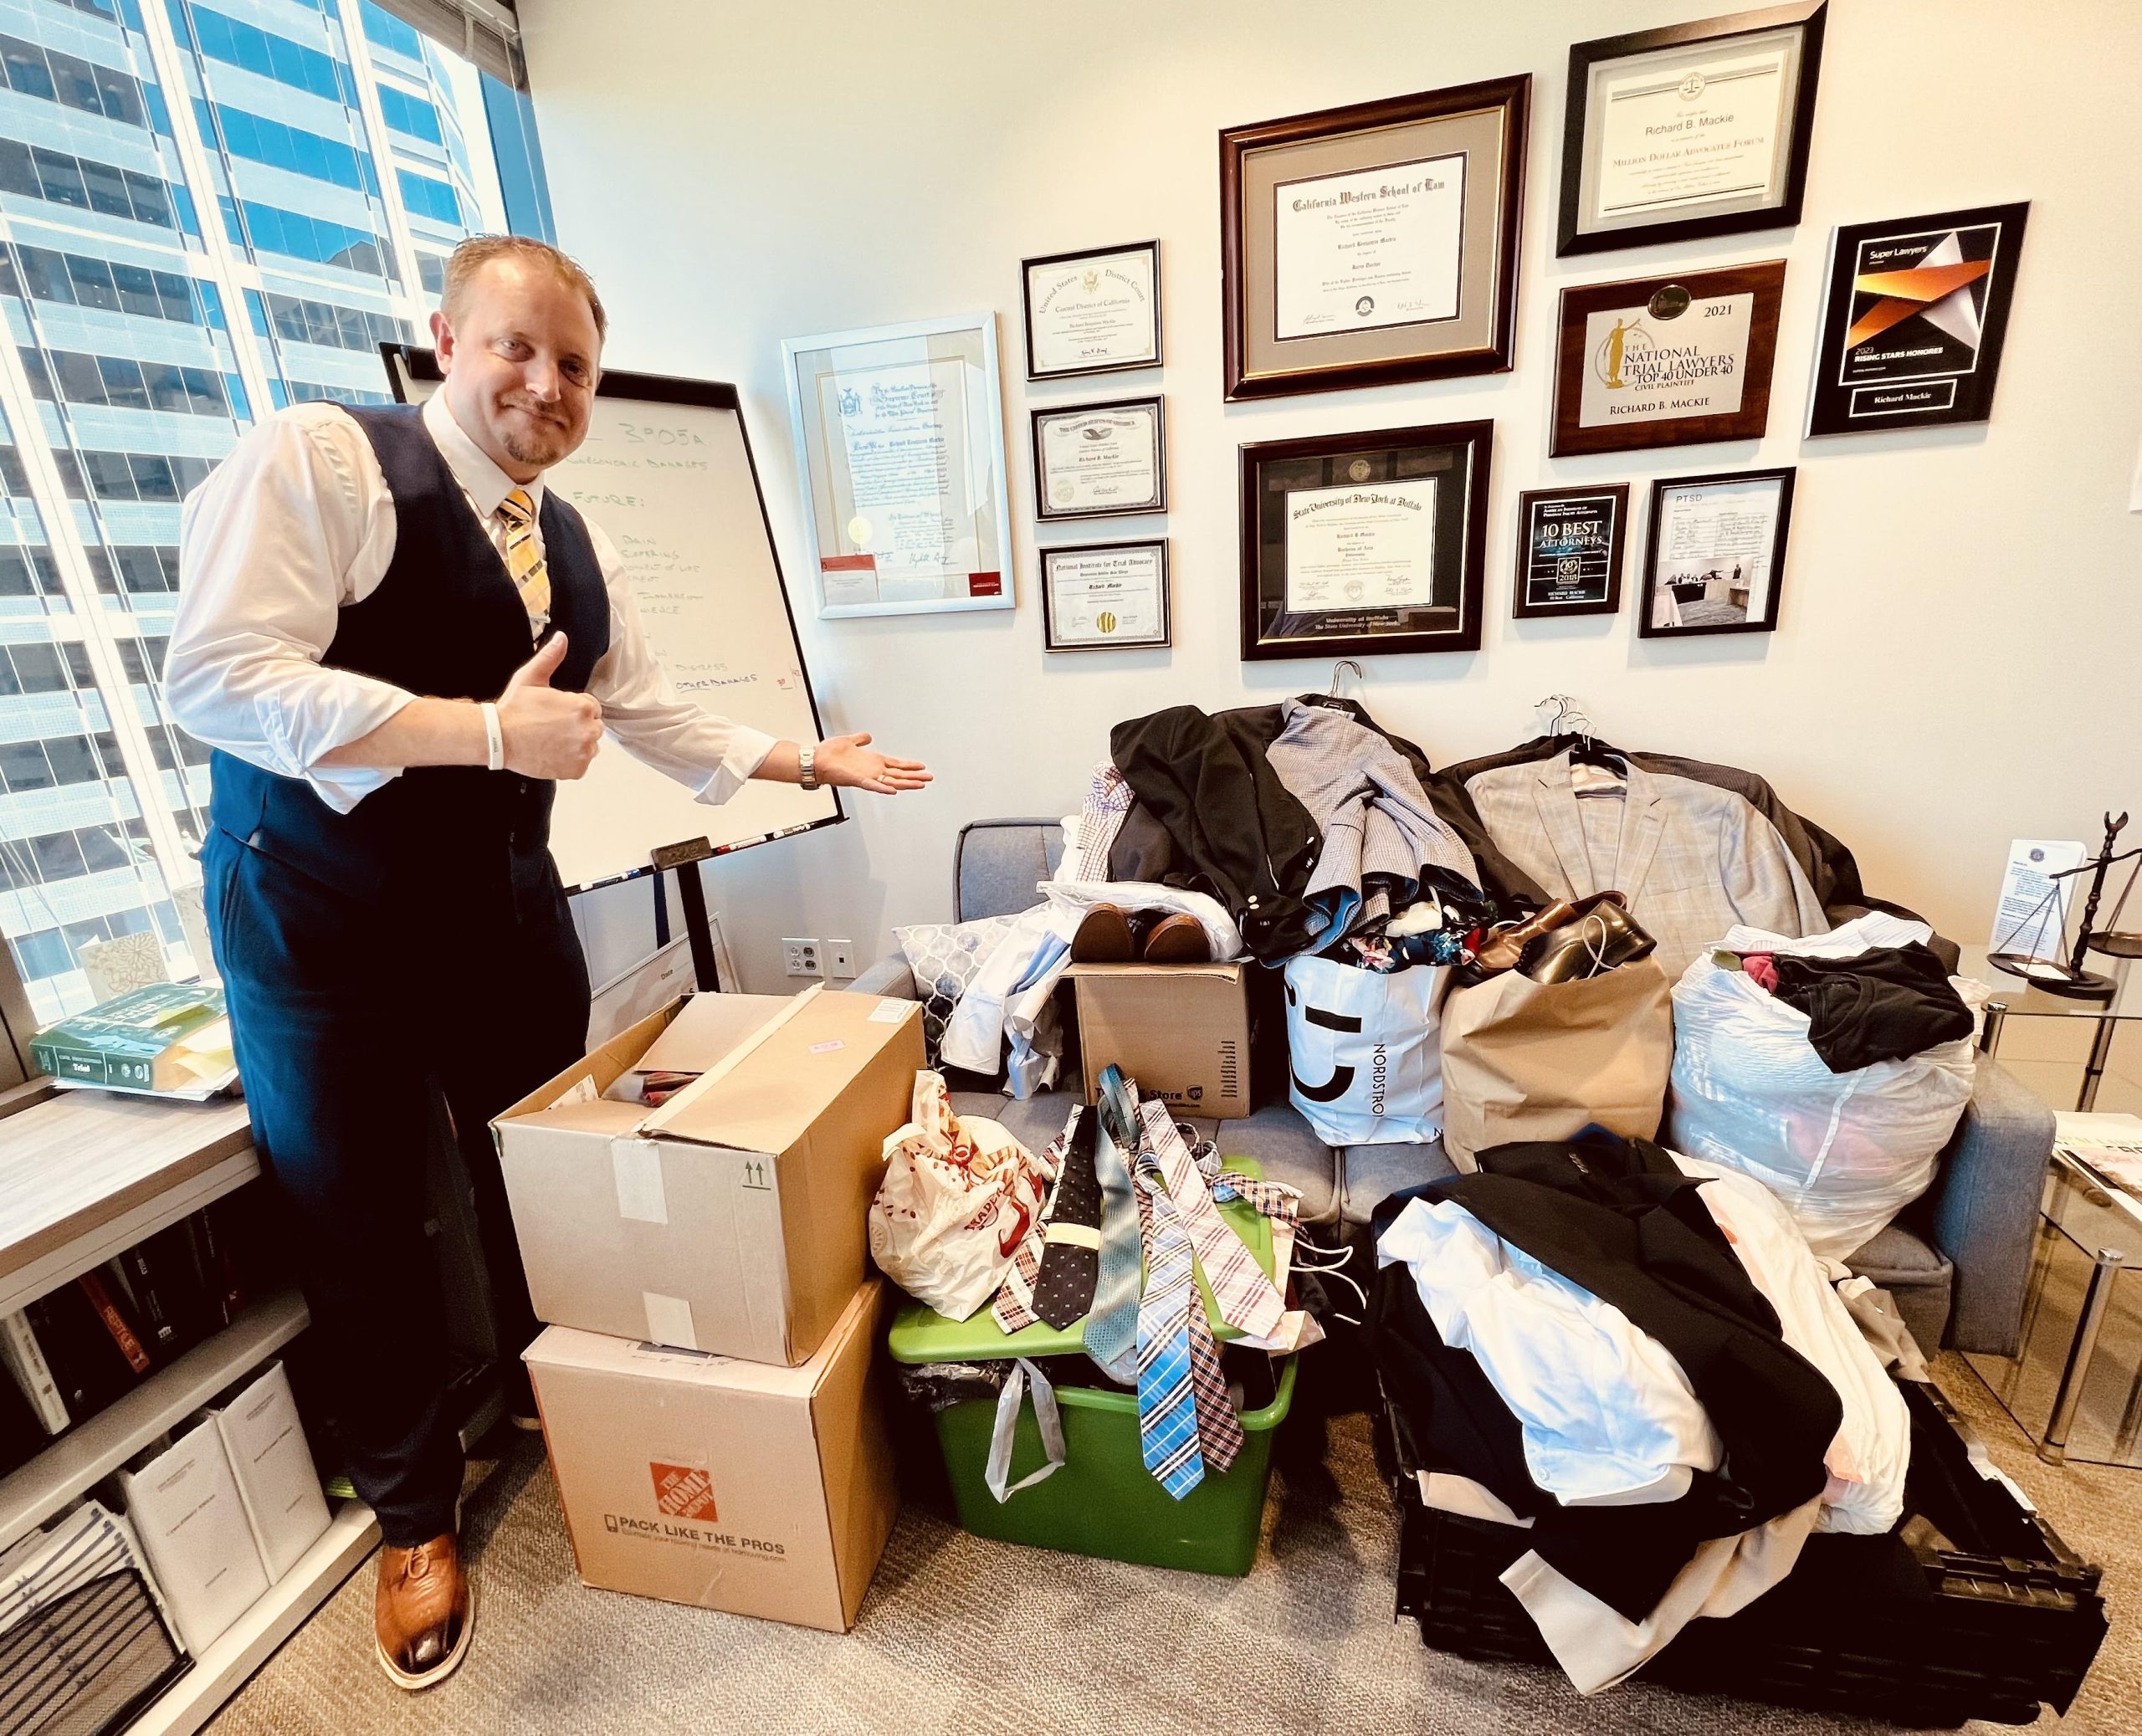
2075 1386
2014 998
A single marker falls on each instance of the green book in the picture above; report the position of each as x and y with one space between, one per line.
167 1038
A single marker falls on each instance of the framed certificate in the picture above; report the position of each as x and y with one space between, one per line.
1092 313
1691 131
1569 551
1361 544
1666 361
1366 245
1913 320
1104 596
1095 461
899 445
1715 558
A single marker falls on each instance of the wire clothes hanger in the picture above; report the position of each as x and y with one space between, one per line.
1570 718
1330 698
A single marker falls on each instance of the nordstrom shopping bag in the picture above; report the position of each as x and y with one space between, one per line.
1361 1051
1526 1060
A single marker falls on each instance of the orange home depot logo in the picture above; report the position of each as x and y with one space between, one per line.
683 1492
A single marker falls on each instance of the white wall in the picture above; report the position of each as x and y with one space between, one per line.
1957 659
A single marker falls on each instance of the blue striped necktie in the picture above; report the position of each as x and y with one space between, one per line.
1167 1398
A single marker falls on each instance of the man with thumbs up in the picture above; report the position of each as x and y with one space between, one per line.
396 640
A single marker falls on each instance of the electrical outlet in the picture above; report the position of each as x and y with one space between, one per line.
840 959
800 958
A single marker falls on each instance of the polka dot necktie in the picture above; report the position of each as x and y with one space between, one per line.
524 558
1070 1265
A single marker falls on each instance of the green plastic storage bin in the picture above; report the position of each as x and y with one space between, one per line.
1102 1501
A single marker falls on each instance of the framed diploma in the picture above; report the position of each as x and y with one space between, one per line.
1666 361
1356 544
1913 320
1104 596
1715 558
1095 461
1569 551
1691 131
899 445
1366 245
1092 313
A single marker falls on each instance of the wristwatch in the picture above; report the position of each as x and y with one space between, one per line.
807 764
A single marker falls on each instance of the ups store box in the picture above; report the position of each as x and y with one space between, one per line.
1180 1031
732 1218
731 1485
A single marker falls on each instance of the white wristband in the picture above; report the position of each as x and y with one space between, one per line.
494 737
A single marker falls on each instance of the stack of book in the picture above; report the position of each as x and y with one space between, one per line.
2110 1145
76 1349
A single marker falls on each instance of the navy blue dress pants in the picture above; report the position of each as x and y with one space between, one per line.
352 1017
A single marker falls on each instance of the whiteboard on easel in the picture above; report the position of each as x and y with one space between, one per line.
666 470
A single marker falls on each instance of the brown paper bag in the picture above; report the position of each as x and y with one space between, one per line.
1525 1060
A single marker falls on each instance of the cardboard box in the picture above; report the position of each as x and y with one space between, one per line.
733 1218
1180 1031
727 1484
185 1507
274 1467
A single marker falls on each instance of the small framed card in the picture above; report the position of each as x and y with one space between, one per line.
1106 596
1096 312
1095 461
1715 558
1569 551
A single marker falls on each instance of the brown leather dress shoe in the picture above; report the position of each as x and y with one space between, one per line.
1179 939
425 1612
1103 937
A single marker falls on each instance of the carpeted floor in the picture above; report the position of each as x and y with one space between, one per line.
971 1638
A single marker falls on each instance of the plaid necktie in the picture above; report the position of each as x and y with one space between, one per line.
1059 1270
1240 1289
524 559
1168 1434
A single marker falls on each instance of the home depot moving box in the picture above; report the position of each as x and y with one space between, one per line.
731 1485
731 1219
1182 1031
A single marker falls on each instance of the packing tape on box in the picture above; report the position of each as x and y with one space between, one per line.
637 1165
669 1321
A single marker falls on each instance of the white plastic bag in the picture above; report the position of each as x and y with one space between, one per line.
960 1194
1365 1065
1845 1151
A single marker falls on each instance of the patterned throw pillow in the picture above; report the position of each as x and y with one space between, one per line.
945 957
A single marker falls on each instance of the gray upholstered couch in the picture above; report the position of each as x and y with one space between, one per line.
1957 1261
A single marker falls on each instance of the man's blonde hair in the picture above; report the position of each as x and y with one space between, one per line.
473 255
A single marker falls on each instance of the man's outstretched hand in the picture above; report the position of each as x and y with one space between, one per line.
849 761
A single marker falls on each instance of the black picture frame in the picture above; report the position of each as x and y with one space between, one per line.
1881 387
1533 575
1272 470
1648 624
1807 16
1050 634
1027 269
1157 502
1369 130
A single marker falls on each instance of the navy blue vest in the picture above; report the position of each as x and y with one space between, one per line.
445 621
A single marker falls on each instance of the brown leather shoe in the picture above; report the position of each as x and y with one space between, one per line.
425 1612
1178 940
1103 937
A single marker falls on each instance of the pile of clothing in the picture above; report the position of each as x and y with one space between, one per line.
1634 1355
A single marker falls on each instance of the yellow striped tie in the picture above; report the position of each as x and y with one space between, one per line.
524 559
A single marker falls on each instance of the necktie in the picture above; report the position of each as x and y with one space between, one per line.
1070 1158
1242 1293
1071 1257
1167 1398
1112 1326
524 559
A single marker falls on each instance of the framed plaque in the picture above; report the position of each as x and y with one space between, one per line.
1356 544
1715 561
1374 243
1691 131
899 445
1666 361
1569 551
1095 461
1106 596
1097 312
1913 320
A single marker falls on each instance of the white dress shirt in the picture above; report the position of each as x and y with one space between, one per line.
297 524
